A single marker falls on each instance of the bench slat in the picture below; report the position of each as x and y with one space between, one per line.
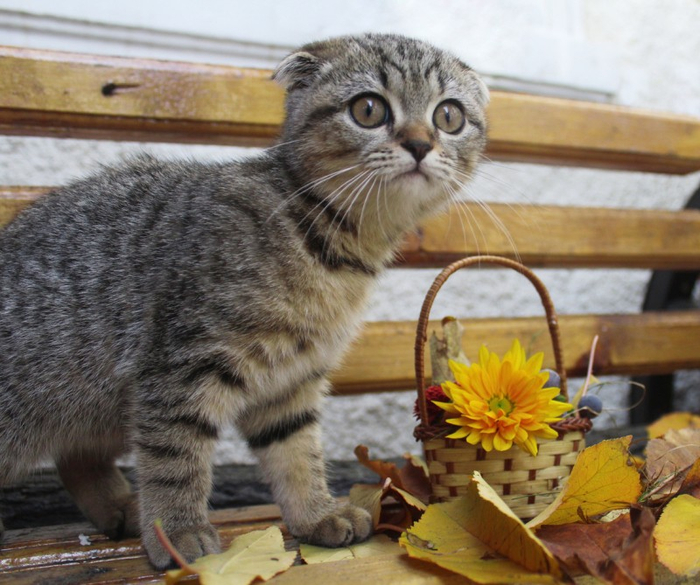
542 235
646 343
39 559
562 237
54 554
44 93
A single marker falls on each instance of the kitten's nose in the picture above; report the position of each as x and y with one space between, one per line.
418 148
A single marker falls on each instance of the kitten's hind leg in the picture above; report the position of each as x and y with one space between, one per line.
288 446
102 493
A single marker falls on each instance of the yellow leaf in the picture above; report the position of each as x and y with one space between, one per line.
410 499
676 421
604 478
677 536
463 535
256 555
369 497
380 544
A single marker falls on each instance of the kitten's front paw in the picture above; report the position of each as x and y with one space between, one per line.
191 542
342 527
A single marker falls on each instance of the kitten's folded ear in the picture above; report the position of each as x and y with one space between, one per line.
297 70
483 93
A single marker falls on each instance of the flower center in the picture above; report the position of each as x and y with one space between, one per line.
501 403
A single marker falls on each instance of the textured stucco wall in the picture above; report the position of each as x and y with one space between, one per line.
651 47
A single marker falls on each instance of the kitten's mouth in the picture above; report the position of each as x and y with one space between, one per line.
414 174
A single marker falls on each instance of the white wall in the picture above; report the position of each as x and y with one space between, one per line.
639 52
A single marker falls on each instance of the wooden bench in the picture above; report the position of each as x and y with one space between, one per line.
54 94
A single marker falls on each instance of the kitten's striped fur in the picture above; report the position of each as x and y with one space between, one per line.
144 307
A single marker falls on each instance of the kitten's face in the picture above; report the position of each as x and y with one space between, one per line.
382 120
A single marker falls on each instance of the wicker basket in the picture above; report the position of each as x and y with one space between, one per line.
526 483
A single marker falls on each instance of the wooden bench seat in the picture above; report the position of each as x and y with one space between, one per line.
51 94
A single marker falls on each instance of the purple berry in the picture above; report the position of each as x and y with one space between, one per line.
554 380
590 406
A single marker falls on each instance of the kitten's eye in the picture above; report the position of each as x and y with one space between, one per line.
369 111
449 117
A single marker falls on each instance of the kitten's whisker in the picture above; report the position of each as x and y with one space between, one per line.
311 184
280 144
501 226
368 195
465 212
515 207
332 197
496 221
381 193
510 187
329 200
352 198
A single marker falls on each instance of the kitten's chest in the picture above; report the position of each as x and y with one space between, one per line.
311 325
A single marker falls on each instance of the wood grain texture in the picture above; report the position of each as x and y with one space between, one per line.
646 343
44 93
537 235
556 236
55 555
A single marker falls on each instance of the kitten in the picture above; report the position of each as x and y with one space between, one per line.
144 307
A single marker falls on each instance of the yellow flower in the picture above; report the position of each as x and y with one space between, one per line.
499 403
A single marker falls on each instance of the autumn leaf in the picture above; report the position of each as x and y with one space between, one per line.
415 478
674 420
479 537
678 536
604 478
401 496
255 555
390 507
669 459
379 544
619 552
691 482
382 468
412 477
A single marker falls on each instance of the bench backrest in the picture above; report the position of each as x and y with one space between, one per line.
68 95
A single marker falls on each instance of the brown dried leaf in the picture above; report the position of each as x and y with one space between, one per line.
670 458
414 478
382 468
619 552
390 507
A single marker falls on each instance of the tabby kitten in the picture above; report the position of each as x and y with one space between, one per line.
147 305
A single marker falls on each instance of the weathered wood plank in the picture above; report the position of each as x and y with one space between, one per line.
45 93
568 132
57 555
538 235
647 343
555 236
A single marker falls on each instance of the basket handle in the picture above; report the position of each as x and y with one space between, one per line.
421 331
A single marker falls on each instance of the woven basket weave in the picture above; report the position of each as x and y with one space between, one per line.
526 483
